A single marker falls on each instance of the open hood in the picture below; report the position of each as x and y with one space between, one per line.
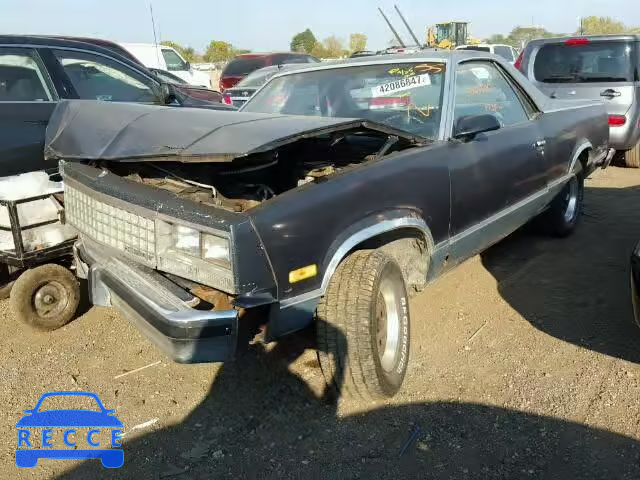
90 130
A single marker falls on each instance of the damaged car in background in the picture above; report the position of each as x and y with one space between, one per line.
336 192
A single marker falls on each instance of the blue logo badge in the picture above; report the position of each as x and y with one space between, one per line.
34 444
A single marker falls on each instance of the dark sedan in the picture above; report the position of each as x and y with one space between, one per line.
36 72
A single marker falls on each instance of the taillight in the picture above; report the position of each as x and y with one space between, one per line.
229 81
518 63
572 42
226 99
617 120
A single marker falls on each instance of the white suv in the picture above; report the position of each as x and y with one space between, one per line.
505 51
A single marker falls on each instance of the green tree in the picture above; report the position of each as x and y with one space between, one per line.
521 35
188 53
334 47
602 26
303 42
219 51
357 42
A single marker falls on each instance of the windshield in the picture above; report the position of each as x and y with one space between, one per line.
609 61
406 96
257 79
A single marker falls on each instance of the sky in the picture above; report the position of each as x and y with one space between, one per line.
262 25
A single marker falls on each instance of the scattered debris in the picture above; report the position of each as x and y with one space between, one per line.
217 455
137 370
413 436
477 332
142 426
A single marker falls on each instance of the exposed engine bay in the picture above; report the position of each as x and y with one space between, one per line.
244 183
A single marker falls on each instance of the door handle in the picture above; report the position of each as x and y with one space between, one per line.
610 93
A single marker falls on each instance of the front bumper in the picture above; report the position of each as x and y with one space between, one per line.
159 308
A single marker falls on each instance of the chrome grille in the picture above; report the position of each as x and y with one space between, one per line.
113 226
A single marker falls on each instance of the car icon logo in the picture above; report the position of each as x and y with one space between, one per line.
245 94
36 433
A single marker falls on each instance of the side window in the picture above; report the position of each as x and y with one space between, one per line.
22 76
95 77
173 60
481 88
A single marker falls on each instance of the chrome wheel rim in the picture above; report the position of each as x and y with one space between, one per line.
388 324
50 300
571 200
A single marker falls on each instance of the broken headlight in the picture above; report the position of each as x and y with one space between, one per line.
192 242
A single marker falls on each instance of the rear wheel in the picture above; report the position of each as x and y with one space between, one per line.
632 157
363 327
562 216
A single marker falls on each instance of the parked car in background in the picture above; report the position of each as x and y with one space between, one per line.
363 53
603 67
37 71
245 88
244 64
505 51
152 55
336 190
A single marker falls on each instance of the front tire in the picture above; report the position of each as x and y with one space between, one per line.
363 327
563 215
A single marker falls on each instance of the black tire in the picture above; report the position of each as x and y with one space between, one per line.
46 297
632 157
563 215
366 294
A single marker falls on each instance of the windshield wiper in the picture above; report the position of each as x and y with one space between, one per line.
604 78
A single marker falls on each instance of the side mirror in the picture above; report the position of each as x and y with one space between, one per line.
468 127
188 65
168 94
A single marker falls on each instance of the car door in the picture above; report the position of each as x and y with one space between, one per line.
27 99
495 174
94 76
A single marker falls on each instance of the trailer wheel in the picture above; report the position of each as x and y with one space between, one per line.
363 327
46 297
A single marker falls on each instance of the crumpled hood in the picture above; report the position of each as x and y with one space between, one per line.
91 130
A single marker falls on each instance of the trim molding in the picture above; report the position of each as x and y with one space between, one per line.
355 239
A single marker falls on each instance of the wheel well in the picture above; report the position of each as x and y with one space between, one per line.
410 248
584 159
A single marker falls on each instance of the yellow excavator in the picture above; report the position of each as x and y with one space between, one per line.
446 35
449 35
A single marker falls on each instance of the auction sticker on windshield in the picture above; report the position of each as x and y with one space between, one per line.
402 84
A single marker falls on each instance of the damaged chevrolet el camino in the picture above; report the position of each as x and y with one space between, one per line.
335 192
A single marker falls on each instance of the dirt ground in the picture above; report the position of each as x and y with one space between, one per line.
525 363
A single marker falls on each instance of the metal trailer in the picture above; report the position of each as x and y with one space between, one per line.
44 292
